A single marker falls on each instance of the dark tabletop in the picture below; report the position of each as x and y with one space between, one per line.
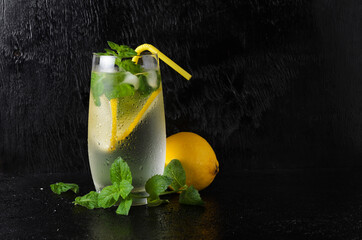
292 204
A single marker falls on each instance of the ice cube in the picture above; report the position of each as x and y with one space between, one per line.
152 78
106 64
131 79
149 62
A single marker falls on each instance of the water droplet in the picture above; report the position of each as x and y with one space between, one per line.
141 167
99 143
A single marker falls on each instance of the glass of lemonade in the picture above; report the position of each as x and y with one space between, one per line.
126 119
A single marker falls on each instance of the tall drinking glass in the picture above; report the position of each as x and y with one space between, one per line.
126 119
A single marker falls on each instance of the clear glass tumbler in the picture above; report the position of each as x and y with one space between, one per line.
126 119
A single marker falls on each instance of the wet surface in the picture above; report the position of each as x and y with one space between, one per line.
254 205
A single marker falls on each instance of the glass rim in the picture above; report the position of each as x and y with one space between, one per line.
109 55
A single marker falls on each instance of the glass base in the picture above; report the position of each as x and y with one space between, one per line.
139 199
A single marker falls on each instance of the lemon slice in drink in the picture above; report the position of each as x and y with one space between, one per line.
127 112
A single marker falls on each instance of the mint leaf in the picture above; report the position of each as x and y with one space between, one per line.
124 206
156 185
190 197
110 52
61 187
125 89
121 90
108 196
125 51
129 66
97 87
124 188
89 200
176 172
113 45
144 88
156 202
112 85
122 50
120 171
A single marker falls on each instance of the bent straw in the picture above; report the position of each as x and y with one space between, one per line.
163 57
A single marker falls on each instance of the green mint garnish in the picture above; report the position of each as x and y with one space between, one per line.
120 171
120 190
125 188
112 85
89 200
190 197
123 51
156 202
176 172
108 196
129 66
174 175
155 186
124 206
61 187
144 88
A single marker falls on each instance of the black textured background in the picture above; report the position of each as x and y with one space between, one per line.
276 84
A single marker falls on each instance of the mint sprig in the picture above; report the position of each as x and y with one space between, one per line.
113 85
156 185
124 206
121 52
174 175
119 193
120 171
190 196
176 172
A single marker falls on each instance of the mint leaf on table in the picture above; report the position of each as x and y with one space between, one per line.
124 206
61 187
121 178
176 172
89 200
108 196
191 197
124 188
156 185
156 202
120 171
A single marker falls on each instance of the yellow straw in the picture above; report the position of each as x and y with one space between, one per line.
163 57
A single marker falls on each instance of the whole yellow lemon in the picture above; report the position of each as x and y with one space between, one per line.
196 156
